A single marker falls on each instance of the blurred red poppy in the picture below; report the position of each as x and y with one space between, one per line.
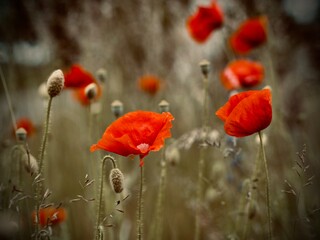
27 124
204 21
149 84
50 216
246 113
242 73
136 133
77 78
251 34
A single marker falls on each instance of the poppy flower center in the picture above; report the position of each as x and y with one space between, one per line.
143 147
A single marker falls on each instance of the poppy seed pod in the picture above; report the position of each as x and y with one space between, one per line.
102 75
164 106
205 67
117 108
116 180
55 83
21 134
91 91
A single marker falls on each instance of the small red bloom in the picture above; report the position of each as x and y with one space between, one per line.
242 73
50 216
27 125
246 113
251 34
204 21
136 133
149 84
78 78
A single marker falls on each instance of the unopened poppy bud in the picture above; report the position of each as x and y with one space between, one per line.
164 106
91 91
116 180
205 67
55 83
102 75
30 163
21 134
117 108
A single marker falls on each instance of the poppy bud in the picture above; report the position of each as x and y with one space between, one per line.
102 75
55 83
117 108
21 134
164 106
116 180
205 67
30 163
91 91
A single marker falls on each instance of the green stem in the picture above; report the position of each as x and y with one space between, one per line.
99 214
161 193
39 185
201 158
267 186
140 206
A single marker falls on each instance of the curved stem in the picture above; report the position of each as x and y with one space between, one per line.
99 217
140 207
267 185
41 156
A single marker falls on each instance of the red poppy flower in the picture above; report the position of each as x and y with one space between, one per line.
50 216
149 84
242 73
246 113
204 21
27 125
77 77
136 133
251 34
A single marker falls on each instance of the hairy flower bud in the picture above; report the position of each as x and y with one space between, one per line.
55 83
117 108
102 75
205 67
91 91
21 134
116 180
164 106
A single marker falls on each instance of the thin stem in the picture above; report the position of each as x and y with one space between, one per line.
201 157
13 119
161 193
45 136
140 207
267 185
99 214
41 156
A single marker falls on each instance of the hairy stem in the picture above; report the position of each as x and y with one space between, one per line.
140 207
201 157
267 186
98 213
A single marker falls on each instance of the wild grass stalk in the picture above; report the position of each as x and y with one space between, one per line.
204 65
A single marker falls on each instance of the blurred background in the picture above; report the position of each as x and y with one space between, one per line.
130 39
